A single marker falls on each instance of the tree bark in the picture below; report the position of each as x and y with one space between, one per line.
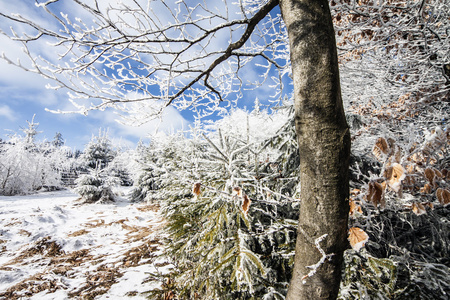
324 143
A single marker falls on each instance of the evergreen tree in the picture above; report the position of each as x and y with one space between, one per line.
229 224
58 140
95 187
96 158
31 131
99 152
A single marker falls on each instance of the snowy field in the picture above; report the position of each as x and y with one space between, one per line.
51 247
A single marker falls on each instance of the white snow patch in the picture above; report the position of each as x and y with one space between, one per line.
105 231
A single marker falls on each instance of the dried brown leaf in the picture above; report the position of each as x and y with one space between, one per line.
445 174
418 209
357 238
246 204
429 205
196 190
237 191
437 173
375 194
354 208
397 157
430 175
395 175
443 196
355 192
426 189
380 148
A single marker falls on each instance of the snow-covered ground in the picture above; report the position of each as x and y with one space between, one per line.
51 247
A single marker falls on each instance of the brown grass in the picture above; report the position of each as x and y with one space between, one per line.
43 247
99 276
14 223
136 255
30 286
97 283
149 207
137 233
24 232
2 248
78 233
95 223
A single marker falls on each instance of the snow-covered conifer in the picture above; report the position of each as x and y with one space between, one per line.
99 152
225 243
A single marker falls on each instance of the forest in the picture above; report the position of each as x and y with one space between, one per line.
229 187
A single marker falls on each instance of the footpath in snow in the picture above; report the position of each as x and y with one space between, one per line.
52 247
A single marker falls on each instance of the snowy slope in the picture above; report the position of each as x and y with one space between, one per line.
51 247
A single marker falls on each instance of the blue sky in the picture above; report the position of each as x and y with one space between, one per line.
23 94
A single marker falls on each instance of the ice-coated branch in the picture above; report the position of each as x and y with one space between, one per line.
132 55
324 257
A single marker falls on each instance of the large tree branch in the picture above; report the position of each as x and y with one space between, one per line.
229 51
174 54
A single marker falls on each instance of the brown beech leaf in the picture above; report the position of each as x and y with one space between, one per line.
395 175
196 190
354 208
429 174
380 148
410 168
375 194
246 204
437 173
426 189
428 204
409 182
357 238
418 209
397 157
443 196
445 174
418 158
355 192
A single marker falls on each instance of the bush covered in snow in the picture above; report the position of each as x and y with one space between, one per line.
27 165
94 188
230 199
228 193
106 167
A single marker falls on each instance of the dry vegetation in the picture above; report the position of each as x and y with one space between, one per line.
95 273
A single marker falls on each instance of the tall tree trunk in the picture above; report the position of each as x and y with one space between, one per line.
324 142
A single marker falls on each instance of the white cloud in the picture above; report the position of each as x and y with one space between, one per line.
13 74
170 122
7 112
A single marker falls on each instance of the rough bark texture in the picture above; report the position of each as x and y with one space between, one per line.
324 142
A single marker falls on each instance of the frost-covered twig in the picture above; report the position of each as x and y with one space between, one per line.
316 266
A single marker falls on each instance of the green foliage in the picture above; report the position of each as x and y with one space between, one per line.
369 277
143 187
28 165
212 239
220 249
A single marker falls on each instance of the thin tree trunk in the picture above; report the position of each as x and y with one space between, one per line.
324 143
